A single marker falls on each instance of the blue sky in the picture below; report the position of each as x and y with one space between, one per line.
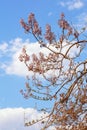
12 39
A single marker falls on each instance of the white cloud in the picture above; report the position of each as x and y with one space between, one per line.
50 14
11 64
13 119
74 4
9 55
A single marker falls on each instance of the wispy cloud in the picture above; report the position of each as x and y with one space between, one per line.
71 5
81 21
82 18
50 14
3 46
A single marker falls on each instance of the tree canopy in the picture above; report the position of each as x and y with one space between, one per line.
58 76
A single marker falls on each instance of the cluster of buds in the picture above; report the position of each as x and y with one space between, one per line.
42 57
63 23
31 19
25 26
66 26
35 64
32 25
49 36
24 56
36 29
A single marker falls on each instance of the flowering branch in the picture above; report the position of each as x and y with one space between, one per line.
57 77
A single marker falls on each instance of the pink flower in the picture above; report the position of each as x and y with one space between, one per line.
36 29
24 25
49 36
62 15
34 57
31 18
27 58
21 58
30 67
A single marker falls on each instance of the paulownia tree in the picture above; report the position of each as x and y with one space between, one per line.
58 76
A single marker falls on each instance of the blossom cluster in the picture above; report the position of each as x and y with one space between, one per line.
32 25
66 26
49 35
